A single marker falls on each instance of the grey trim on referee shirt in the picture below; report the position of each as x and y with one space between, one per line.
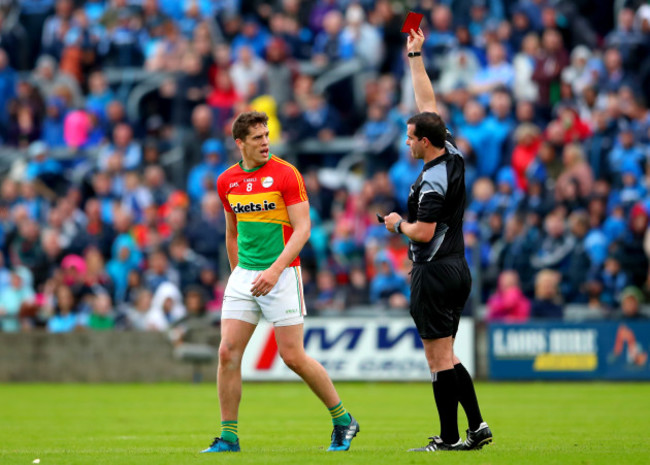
435 180
453 150
438 237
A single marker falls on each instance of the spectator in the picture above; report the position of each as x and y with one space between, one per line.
191 89
321 119
579 264
247 73
166 308
13 39
123 148
476 131
252 36
457 74
135 196
156 183
576 170
402 174
497 73
632 190
52 130
125 258
329 45
630 308
580 74
629 248
8 80
96 233
548 69
203 128
626 149
614 281
160 271
330 297
556 245
357 292
600 144
388 287
49 81
56 27
65 318
136 312
440 41
195 320
626 39
224 96
121 46
186 262
99 94
614 75
206 232
508 303
547 302
358 31
378 135
13 297
41 167
101 317
203 177
528 141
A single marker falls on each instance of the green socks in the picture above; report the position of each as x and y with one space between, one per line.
340 416
229 431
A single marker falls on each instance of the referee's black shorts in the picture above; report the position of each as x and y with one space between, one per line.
439 290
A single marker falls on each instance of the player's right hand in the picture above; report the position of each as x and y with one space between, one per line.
415 41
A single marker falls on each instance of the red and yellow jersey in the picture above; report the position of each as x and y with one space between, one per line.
259 198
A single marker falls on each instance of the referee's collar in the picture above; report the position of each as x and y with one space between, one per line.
436 160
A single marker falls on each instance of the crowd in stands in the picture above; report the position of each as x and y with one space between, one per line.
548 100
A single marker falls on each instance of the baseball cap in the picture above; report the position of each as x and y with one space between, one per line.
632 291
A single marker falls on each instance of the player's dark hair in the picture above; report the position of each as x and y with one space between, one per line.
242 124
430 125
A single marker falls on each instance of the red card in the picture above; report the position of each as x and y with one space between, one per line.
412 21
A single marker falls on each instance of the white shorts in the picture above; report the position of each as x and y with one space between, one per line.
283 306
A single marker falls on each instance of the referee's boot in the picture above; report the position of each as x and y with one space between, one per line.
221 445
438 444
479 438
342 435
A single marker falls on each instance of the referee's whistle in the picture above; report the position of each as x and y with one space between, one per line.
380 218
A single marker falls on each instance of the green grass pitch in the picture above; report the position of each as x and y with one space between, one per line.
533 423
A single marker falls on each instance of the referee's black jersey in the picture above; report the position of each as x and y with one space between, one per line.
438 196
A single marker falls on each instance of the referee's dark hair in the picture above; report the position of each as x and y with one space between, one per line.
430 125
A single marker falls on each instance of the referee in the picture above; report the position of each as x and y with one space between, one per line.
440 279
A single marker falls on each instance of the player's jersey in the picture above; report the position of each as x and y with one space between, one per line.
259 198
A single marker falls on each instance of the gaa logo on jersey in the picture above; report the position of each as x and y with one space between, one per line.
267 181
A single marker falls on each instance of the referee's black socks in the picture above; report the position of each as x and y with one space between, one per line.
445 391
467 397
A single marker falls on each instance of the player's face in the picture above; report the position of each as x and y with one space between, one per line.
417 148
255 147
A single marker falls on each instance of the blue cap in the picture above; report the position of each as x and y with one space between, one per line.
212 146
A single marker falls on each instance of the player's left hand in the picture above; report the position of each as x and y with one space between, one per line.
264 282
390 221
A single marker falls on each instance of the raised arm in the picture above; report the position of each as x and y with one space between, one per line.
425 98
